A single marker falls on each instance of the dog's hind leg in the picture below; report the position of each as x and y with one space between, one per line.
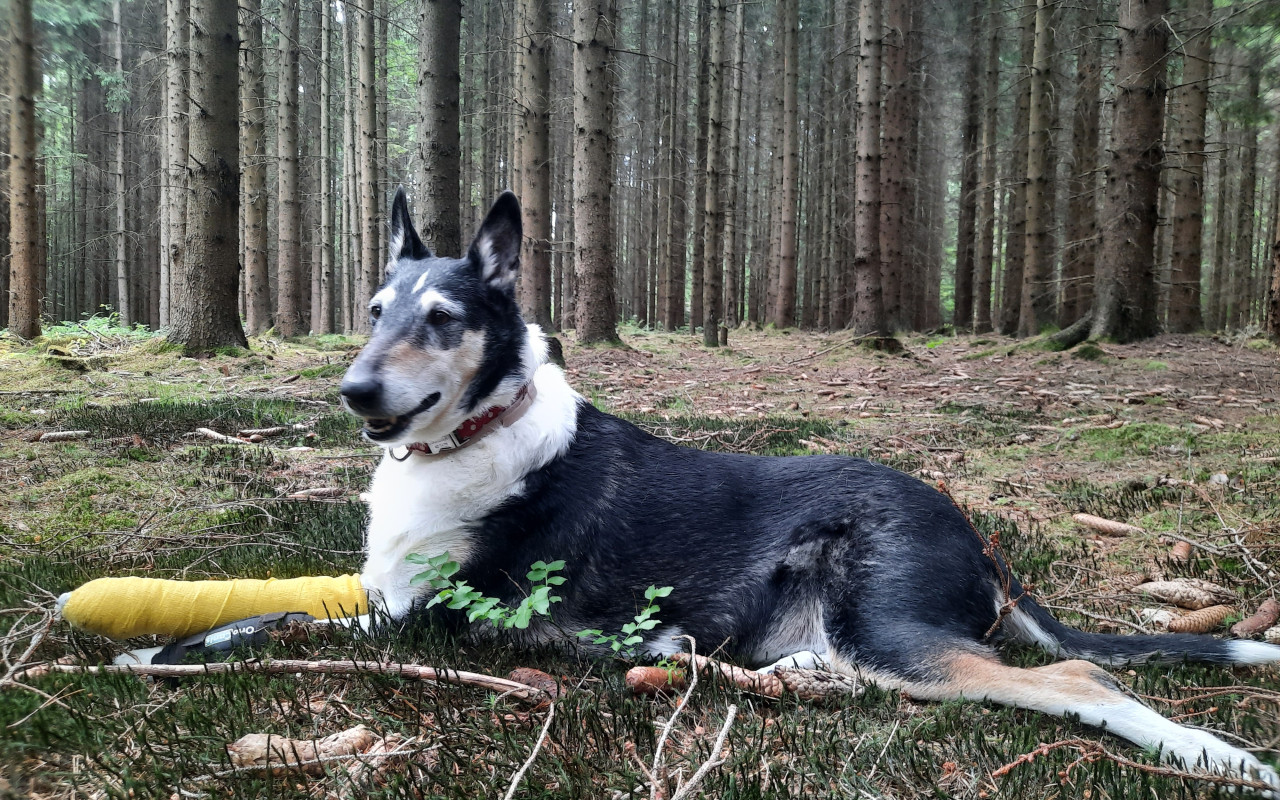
1079 689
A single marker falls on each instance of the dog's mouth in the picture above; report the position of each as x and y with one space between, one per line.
381 429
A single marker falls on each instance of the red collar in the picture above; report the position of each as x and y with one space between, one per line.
478 426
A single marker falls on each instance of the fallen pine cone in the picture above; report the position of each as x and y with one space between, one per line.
1189 593
1181 552
650 681
537 679
1202 621
1263 618
1107 526
280 754
1272 635
1156 617
1129 581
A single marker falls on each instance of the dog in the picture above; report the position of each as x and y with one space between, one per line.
494 459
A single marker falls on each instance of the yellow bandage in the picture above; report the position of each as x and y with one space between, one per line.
124 607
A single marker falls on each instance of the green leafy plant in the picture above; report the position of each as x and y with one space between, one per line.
646 620
460 596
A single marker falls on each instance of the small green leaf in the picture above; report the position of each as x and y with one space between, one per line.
449 569
417 558
554 566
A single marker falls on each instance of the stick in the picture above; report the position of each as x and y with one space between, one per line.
221 437
655 771
711 763
285 666
542 737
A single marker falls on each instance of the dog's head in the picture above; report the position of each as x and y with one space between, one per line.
448 341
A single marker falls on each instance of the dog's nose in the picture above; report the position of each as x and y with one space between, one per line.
362 396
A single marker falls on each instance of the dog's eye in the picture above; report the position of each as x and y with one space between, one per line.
375 311
438 316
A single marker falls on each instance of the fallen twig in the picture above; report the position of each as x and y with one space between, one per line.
656 769
542 737
209 433
715 759
60 436
285 666
1107 526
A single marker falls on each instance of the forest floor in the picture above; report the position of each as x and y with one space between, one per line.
1178 435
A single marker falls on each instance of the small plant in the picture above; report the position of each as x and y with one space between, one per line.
625 643
459 595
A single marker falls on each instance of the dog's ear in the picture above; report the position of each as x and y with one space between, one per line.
404 239
496 249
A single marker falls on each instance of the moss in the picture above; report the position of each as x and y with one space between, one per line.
1088 351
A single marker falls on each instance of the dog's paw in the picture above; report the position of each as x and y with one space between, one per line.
1203 752
805 659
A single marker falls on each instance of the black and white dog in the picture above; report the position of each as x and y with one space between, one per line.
494 459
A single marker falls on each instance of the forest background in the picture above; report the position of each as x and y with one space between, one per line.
880 165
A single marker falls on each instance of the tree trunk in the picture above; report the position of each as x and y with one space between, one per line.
439 145
784 309
593 32
868 308
204 314
966 235
123 308
895 264
1015 236
371 257
731 255
322 318
1037 277
990 158
533 156
674 257
1125 295
174 210
712 226
288 205
254 169
1273 295
1082 188
25 243
1188 181
1241 271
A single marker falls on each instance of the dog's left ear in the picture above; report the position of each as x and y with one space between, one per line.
496 249
404 239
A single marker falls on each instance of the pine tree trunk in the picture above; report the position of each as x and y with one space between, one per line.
712 230
593 36
1015 236
1125 294
25 243
1273 294
288 205
204 313
895 263
1241 270
1188 181
123 308
322 320
966 235
868 308
174 212
533 156
1081 247
731 255
1037 291
439 145
371 257
784 308
990 158
254 169
76 173
677 165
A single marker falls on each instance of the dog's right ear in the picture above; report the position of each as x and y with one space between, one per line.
404 239
496 249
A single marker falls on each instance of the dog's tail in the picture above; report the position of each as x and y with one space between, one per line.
1032 624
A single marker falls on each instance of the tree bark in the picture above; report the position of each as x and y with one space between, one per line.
371 257
731 255
784 309
990 157
1015 248
1082 188
204 313
439 144
123 307
25 242
1037 277
322 319
288 201
895 264
966 235
1241 270
533 156
1273 295
868 308
712 227
174 212
1125 295
593 36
